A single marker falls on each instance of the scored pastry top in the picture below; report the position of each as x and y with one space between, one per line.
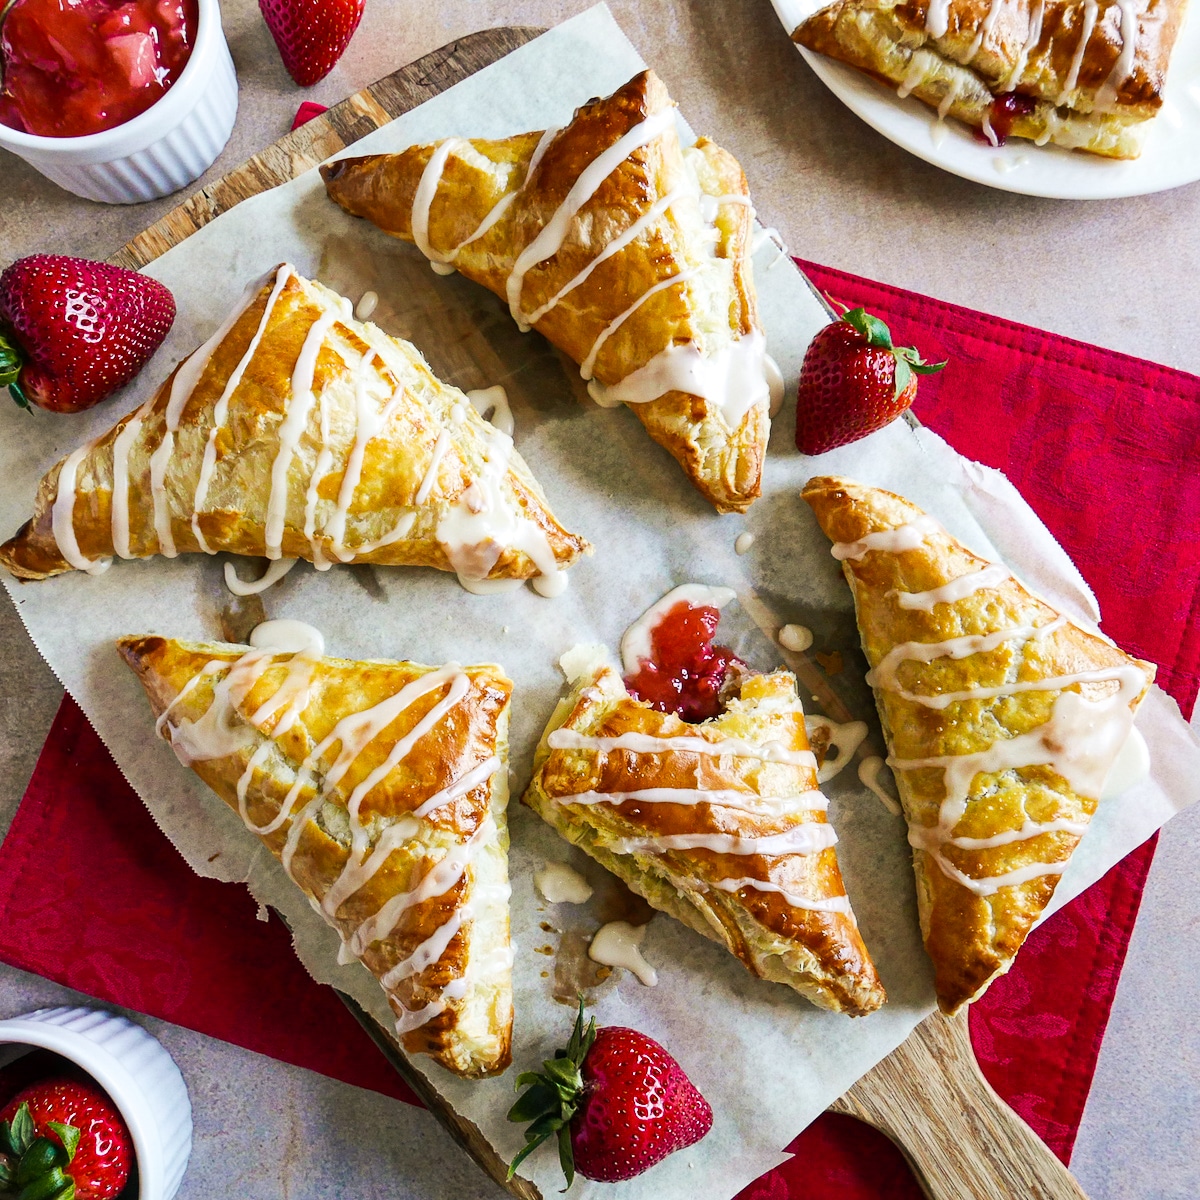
381 788
296 431
721 824
626 250
1002 716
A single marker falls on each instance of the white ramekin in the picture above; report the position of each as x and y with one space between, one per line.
139 1075
159 151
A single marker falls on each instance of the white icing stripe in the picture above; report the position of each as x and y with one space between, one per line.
645 743
429 951
958 588
1050 683
120 497
927 838
718 797
992 884
62 516
1031 40
1091 10
830 904
589 363
439 448
552 235
809 838
937 19
273 574
460 787
910 536
1106 96
423 199
221 408
291 429
321 468
618 244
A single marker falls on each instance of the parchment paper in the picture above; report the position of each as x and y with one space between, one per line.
767 1061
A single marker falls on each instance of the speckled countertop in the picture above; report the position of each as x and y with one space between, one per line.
1109 272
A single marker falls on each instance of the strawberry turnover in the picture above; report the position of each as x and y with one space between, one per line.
74 69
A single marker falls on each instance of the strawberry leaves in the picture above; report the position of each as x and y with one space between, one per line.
34 1167
553 1098
908 358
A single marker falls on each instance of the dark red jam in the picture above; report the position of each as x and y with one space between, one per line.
74 67
1002 115
686 674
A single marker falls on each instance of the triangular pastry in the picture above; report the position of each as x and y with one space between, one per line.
381 787
296 431
720 824
1002 719
628 252
1085 74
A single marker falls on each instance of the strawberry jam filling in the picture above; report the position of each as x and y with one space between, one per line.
1002 115
686 674
74 67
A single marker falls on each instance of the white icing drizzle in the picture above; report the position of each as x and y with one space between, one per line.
811 837
646 743
289 637
912 77
637 645
845 737
552 235
618 944
561 884
1032 38
321 468
1090 11
949 98
937 18
958 588
291 429
751 802
187 376
1106 97
423 198
492 405
439 448
989 23
221 408
62 516
429 951
892 541
366 306
273 574
733 378
829 904
618 244
796 638
743 542
122 445
868 776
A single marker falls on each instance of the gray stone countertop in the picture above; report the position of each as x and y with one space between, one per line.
1107 272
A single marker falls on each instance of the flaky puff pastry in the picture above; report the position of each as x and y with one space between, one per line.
382 788
298 432
1087 74
1002 719
744 856
618 245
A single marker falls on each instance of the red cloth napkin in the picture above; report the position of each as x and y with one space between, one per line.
96 898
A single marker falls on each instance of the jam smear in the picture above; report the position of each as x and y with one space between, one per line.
686 674
1002 115
75 67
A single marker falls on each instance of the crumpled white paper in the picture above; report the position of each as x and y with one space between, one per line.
767 1061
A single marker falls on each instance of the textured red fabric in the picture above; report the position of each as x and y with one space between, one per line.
1095 441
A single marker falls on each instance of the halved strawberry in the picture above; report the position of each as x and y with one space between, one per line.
72 330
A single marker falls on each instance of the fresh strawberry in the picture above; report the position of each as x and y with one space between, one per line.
616 1101
72 331
63 1139
853 382
311 34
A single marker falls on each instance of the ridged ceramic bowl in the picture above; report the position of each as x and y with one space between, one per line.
159 151
137 1073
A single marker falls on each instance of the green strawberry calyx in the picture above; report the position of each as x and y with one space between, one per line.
908 359
32 1167
553 1098
11 362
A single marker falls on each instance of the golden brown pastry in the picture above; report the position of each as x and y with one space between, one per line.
1086 74
381 787
628 252
719 824
1002 720
296 431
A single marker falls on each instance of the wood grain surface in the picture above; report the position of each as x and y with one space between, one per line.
928 1096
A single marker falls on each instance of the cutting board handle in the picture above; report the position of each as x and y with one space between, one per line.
962 1141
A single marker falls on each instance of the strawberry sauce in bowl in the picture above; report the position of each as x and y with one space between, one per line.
83 66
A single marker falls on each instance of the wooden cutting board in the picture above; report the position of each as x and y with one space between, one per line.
962 1140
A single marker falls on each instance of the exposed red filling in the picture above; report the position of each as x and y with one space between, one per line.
1002 113
686 672
74 67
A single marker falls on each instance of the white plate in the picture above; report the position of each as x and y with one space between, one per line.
1171 156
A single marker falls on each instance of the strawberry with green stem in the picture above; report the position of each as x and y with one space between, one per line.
854 380
616 1102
